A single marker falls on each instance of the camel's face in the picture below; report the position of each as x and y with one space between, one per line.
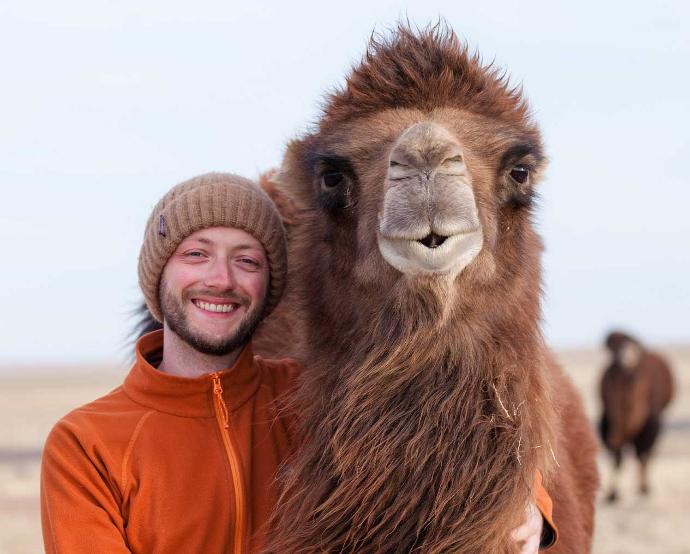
420 195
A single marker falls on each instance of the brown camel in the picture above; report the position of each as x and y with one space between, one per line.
636 387
429 399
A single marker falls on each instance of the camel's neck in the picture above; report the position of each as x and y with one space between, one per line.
425 326
421 425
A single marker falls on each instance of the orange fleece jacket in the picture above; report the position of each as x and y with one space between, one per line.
171 464
152 467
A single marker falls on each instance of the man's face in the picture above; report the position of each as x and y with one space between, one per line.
213 289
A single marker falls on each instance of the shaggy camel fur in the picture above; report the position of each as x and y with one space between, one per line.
429 399
636 388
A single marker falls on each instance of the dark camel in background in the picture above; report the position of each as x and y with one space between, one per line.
636 387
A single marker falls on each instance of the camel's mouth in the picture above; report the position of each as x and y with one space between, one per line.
431 254
432 240
429 222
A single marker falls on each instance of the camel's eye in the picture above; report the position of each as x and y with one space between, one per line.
331 180
334 179
336 192
520 174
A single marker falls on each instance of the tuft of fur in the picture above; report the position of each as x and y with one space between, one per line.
424 70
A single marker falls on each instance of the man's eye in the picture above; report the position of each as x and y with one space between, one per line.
249 261
194 254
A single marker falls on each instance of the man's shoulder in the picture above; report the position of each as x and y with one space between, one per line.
107 418
113 403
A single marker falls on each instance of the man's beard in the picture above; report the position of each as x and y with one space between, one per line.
176 319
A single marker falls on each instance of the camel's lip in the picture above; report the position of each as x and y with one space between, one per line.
418 231
411 255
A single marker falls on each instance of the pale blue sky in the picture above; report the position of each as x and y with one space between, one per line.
105 105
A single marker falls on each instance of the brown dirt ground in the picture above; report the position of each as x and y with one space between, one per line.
32 399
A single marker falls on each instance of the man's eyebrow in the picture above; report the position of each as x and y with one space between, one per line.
190 241
247 247
204 240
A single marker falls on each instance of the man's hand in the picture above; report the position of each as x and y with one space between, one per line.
528 535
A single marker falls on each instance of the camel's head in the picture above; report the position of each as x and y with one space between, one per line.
626 352
420 175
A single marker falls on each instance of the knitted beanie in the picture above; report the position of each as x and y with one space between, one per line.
211 200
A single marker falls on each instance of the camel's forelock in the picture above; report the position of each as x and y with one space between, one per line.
424 70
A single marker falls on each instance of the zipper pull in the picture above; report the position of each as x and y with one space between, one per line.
218 392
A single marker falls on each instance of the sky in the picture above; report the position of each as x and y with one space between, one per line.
105 105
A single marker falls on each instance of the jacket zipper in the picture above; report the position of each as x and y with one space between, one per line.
223 419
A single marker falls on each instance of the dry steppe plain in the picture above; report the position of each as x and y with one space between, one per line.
33 398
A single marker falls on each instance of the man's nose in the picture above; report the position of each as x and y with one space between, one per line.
220 275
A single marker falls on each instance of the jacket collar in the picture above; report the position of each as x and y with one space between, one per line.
184 396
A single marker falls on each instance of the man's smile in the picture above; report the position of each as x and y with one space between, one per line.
216 306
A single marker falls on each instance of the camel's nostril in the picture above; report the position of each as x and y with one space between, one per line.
432 240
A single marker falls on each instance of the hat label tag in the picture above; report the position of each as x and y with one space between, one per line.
162 228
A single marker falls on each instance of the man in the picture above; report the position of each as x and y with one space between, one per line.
182 456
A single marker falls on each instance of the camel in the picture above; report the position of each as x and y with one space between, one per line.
429 399
636 388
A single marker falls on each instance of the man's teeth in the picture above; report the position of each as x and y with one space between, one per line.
223 308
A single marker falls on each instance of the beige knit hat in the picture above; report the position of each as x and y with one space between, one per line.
211 200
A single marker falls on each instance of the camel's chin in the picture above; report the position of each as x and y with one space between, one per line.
414 259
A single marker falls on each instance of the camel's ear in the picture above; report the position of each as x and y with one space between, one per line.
287 207
293 180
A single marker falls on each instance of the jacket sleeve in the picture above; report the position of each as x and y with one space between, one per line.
545 505
80 512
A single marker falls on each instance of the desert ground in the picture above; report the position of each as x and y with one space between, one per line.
33 398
